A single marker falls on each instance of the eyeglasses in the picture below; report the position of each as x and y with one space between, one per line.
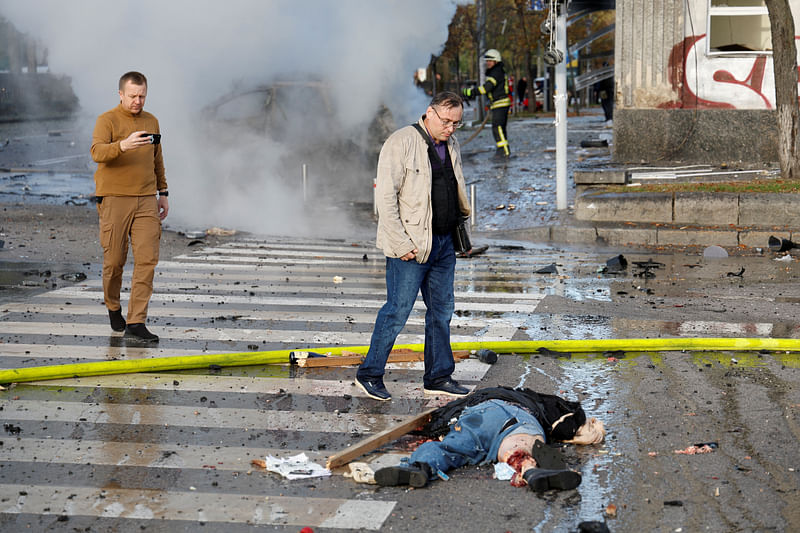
447 123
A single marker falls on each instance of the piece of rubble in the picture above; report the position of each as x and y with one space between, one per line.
715 252
549 269
73 276
694 449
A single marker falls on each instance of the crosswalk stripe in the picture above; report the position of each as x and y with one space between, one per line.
292 337
140 454
521 305
220 417
270 291
239 316
328 290
144 504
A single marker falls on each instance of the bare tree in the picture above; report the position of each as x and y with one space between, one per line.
784 60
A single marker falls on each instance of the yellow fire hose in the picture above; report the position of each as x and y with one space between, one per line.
159 364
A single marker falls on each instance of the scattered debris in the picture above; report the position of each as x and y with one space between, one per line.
546 351
74 276
615 265
477 250
650 264
365 258
12 429
715 252
781 245
338 279
501 206
594 143
593 526
549 269
295 467
736 274
486 356
785 259
673 503
611 510
694 449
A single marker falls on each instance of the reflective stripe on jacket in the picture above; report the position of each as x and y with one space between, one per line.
496 87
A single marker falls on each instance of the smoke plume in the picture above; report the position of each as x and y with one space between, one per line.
236 162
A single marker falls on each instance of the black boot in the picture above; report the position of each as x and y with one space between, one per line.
547 457
500 155
117 322
540 480
140 332
414 475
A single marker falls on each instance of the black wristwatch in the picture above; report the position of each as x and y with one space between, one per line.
163 193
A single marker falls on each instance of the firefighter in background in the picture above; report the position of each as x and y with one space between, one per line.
496 88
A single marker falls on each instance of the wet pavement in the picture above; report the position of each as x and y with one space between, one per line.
171 451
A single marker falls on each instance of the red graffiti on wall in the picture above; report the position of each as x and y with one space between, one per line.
731 80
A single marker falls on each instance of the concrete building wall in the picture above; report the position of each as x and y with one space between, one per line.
644 36
679 100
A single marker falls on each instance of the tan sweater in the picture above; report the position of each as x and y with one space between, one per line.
138 172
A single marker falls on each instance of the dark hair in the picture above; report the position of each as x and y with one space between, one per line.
136 78
447 99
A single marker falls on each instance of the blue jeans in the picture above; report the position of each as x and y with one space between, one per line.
404 280
477 435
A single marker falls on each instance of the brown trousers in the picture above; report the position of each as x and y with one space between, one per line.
137 217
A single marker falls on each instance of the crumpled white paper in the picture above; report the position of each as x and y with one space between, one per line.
296 467
503 472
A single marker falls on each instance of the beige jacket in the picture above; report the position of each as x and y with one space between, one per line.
403 193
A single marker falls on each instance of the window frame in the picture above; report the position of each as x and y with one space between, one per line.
733 11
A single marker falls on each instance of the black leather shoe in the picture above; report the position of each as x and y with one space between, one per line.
374 388
540 479
448 388
140 332
547 457
414 475
117 322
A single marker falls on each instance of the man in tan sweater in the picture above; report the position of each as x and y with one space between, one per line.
130 172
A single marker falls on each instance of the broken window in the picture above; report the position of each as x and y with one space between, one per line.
737 26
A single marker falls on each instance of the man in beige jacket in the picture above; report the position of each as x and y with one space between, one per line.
421 197
130 171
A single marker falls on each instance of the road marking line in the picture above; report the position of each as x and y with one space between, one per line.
145 504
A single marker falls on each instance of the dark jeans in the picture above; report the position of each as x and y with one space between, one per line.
476 436
404 280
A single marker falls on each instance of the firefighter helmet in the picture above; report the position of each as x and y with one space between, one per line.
492 55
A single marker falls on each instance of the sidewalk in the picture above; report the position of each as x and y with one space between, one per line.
595 216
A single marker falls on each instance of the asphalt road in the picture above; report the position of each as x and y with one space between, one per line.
171 452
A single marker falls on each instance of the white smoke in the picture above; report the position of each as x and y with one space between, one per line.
194 52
